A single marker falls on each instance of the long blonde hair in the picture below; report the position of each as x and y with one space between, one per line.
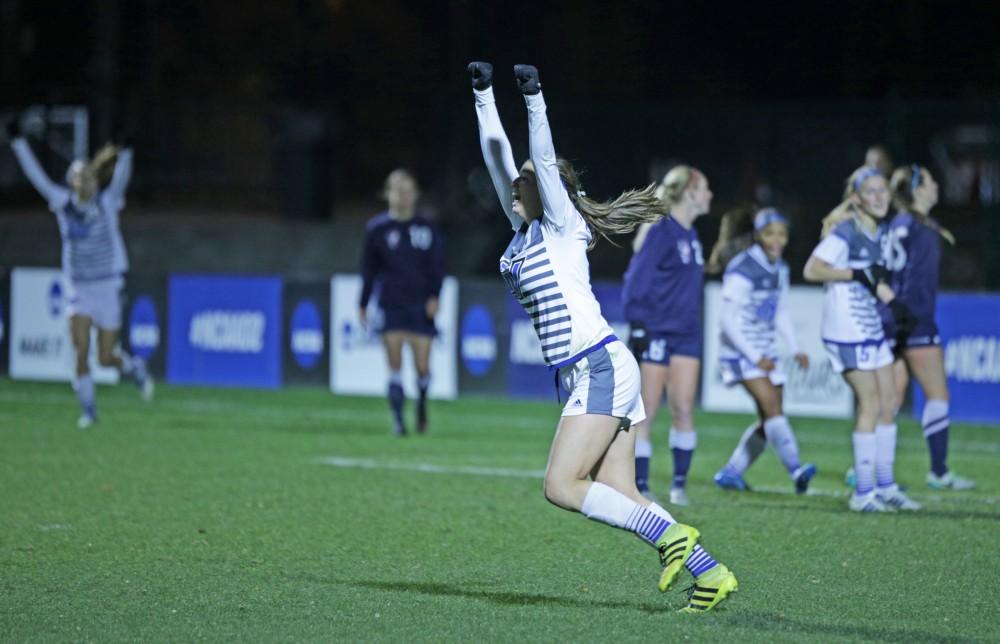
679 179
905 180
847 209
616 217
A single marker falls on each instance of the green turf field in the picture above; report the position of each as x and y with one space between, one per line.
222 515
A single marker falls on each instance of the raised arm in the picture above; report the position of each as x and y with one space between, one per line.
556 205
122 174
493 140
32 169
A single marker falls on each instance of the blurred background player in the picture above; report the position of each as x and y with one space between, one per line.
94 261
662 302
754 312
404 255
546 268
848 260
878 157
915 256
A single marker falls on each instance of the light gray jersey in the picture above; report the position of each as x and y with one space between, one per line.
92 244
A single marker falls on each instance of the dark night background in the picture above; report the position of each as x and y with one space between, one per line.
251 118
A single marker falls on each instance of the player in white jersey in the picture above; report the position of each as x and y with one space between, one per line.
93 259
850 261
546 268
754 313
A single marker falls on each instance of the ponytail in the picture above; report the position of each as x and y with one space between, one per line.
905 181
616 217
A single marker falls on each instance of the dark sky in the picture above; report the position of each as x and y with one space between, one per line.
336 49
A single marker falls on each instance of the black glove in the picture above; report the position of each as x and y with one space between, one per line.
482 75
527 79
871 276
638 339
905 320
14 127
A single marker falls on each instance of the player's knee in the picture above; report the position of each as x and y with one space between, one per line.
682 413
556 490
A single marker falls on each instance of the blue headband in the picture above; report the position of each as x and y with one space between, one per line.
865 175
766 217
916 177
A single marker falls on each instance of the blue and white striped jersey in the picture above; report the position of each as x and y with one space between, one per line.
546 264
92 244
754 295
850 311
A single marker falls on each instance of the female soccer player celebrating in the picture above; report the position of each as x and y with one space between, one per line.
662 301
93 259
848 260
754 312
915 253
404 254
546 268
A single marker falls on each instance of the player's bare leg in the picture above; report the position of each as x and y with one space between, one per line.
421 347
393 342
83 382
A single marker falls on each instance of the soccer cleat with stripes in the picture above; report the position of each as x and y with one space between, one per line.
868 502
675 546
949 481
710 588
895 498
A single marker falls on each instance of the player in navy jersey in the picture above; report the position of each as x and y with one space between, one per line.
93 260
546 268
914 258
662 302
754 313
850 261
404 256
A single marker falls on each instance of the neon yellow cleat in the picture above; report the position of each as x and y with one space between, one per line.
710 588
675 546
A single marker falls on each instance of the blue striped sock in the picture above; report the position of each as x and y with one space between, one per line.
700 562
646 524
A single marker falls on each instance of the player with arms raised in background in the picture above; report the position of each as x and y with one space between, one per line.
93 259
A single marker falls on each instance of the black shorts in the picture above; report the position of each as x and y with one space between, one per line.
412 318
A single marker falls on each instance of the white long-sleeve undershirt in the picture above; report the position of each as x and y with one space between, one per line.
497 152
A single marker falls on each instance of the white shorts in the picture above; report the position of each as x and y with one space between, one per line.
866 356
736 370
604 382
99 300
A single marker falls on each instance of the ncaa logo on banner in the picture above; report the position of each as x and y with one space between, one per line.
143 327
307 334
479 342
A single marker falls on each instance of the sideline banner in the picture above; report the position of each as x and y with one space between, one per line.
305 346
818 391
40 346
357 358
144 320
969 324
483 337
225 331
527 375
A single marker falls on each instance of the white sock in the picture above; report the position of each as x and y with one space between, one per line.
779 435
683 440
885 454
127 364
84 388
643 448
607 505
864 460
750 447
659 511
